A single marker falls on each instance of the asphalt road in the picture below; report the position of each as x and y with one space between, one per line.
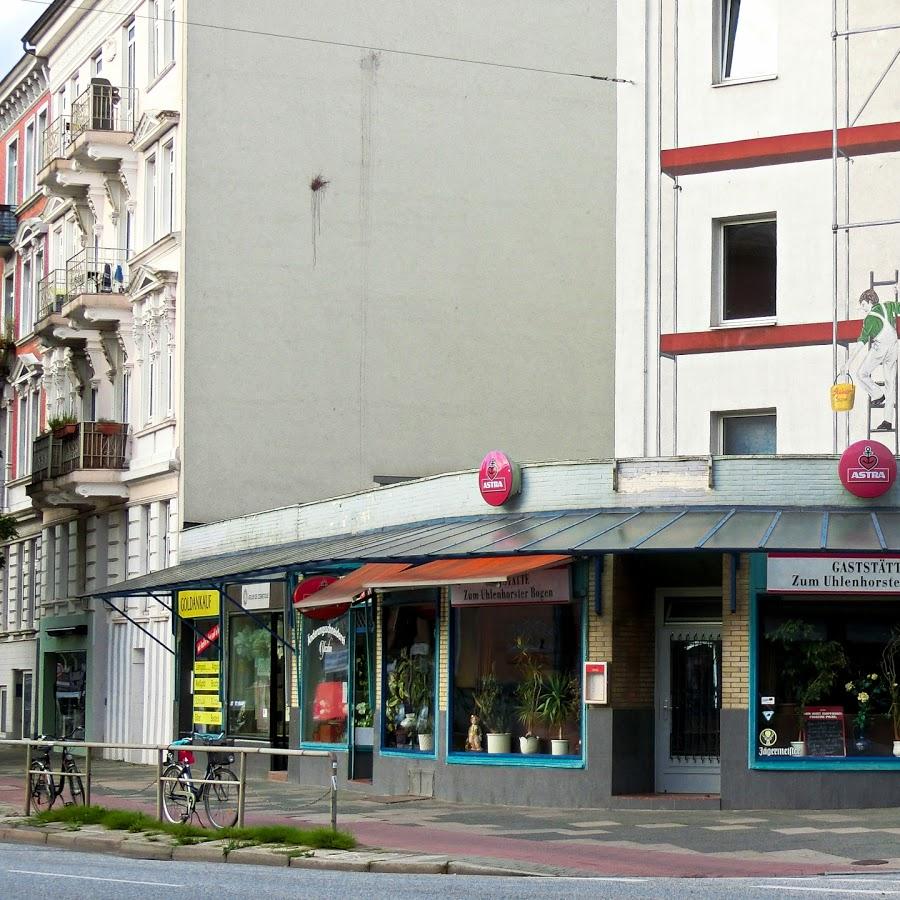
28 872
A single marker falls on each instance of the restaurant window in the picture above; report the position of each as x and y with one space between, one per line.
325 658
515 670
827 679
749 38
749 262
409 639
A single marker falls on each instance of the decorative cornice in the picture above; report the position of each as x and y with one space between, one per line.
21 98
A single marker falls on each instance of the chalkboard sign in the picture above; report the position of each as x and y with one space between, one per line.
825 735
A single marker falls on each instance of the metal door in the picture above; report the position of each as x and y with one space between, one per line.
688 700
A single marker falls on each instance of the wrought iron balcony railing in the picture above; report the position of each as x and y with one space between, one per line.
102 270
84 445
103 107
8 223
55 139
51 293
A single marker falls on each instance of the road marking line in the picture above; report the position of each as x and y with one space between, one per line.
599 878
93 878
822 890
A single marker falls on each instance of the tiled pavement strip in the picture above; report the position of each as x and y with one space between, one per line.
548 841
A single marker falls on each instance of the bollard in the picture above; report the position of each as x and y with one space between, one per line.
159 784
242 789
87 777
28 779
334 792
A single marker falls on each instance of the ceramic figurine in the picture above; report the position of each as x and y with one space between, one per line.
473 741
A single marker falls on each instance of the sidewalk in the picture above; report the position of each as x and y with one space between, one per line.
451 836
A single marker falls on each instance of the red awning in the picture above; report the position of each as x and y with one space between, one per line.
466 571
346 589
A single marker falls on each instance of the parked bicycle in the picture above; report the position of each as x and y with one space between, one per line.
181 794
45 789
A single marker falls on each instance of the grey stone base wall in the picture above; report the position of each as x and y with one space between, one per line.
746 788
633 764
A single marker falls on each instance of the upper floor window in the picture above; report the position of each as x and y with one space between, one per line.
12 173
30 159
167 186
97 63
745 433
150 200
749 38
40 128
162 35
748 269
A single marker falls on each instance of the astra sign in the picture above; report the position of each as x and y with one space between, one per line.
867 469
498 478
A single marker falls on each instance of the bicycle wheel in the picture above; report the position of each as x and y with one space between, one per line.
76 788
176 795
221 800
42 788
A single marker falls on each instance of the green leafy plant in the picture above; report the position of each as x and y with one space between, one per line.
870 693
362 715
560 701
530 686
490 704
56 422
810 666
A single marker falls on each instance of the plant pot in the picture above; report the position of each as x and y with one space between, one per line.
528 744
64 431
798 748
559 747
896 750
108 428
363 736
499 743
426 742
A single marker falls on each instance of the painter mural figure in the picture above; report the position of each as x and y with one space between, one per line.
878 339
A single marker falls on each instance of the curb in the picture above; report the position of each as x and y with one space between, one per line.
138 847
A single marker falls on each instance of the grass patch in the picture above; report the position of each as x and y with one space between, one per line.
134 822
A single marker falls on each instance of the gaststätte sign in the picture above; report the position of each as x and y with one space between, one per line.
498 478
821 573
867 469
543 586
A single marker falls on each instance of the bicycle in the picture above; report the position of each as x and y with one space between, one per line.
181 795
44 789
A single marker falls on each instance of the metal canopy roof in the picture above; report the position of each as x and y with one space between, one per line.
580 533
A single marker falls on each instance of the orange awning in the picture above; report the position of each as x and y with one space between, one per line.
466 571
345 589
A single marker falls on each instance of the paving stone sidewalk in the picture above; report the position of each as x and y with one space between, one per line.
443 836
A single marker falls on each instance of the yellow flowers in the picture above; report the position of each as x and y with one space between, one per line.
862 697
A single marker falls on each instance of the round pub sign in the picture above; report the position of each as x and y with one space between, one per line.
867 469
498 478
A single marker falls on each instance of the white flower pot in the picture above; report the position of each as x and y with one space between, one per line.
363 736
528 744
426 742
896 750
559 748
799 748
499 743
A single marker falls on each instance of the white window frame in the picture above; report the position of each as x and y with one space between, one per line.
40 126
720 418
26 297
720 76
22 420
97 62
9 299
30 160
12 172
150 191
718 269
167 187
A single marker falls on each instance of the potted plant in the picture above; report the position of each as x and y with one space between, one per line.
109 427
889 670
528 694
63 425
560 701
363 730
420 692
810 666
488 701
868 690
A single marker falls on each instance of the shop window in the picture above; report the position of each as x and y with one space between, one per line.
249 678
69 692
826 679
516 679
745 434
408 691
749 270
749 38
325 659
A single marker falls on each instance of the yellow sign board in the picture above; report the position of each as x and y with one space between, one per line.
207 717
202 667
207 701
206 684
198 604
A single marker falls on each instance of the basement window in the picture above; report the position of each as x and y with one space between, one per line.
746 434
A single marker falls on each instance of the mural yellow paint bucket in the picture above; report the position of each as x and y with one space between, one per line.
842 395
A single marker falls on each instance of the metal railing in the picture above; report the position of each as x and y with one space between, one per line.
51 293
97 270
8 223
103 107
82 445
55 139
161 751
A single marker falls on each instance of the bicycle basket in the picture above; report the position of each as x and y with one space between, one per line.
221 759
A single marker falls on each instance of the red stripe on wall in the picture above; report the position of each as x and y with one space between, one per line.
762 337
860 140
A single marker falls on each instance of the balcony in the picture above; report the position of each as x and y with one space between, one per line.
96 285
102 125
79 465
51 297
8 225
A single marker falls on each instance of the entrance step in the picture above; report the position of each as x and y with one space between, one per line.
278 775
665 801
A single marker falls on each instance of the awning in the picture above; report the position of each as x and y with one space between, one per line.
346 589
468 571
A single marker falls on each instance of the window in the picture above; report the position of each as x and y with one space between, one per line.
12 173
145 538
749 266
167 179
67 677
749 38
97 63
38 275
746 434
409 638
250 646
150 200
39 142
61 107
324 681
22 435
821 677
30 143
507 659
125 395
26 319
9 301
